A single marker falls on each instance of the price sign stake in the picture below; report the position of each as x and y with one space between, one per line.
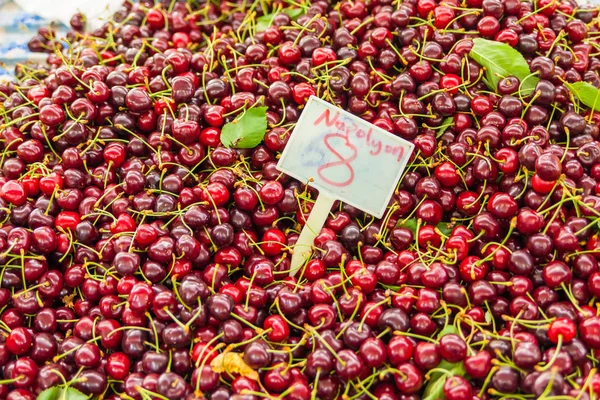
346 159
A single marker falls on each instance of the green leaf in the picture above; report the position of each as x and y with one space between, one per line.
501 60
586 93
247 130
74 394
435 388
50 393
488 317
265 21
445 227
294 13
60 393
449 329
448 122
410 224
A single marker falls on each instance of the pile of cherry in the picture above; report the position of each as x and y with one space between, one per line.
141 259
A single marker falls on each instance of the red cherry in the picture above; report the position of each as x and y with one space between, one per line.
115 153
446 174
155 19
37 93
507 36
279 328
546 38
541 186
185 131
478 365
49 183
99 92
380 37
19 341
471 269
140 298
232 291
52 115
31 186
124 223
13 193
488 26
117 365
273 242
216 194
508 160
315 269
164 105
457 388
66 220
180 39
408 378
400 350
547 7
203 352
273 35
424 7
301 92
459 246
145 235
364 279
443 15
210 137
271 192
214 115
428 237
289 53
481 105
450 82
502 205
323 55
24 372
589 330
562 327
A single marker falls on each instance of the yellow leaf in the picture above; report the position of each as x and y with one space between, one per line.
233 363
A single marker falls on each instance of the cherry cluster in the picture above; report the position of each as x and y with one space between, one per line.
142 259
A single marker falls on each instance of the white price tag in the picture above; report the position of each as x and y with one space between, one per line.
345 158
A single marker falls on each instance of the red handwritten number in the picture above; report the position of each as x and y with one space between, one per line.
342 161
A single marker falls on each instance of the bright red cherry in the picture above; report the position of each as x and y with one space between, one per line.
216 194
442 15
541 186
145 235
181 39
562 328
273 242
451 83
302 91
13 193
117 365
115 154
49 183
155 19
66 220
279 328
271 192
19 341
289 53
323 55
447 174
